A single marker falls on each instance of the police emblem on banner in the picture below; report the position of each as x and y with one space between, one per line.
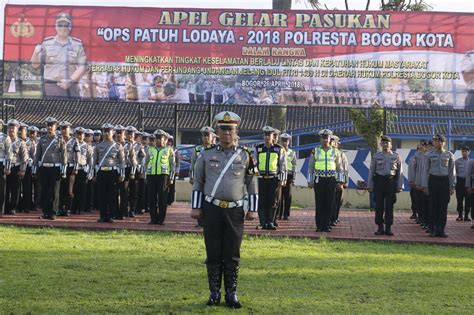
22 28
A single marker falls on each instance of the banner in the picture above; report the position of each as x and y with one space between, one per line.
230 56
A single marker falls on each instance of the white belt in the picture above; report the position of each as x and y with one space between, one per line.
51 164
224 204
108 168
2 160
71 164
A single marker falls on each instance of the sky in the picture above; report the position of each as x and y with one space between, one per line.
438 5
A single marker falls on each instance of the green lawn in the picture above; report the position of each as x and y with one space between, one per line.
62 271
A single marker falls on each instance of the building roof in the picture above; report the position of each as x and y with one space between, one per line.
93 114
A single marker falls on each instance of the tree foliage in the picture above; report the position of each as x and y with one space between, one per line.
370 123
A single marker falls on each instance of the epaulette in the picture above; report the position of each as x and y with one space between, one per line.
278 145
470 53
210 147
48 38
76 39
246 149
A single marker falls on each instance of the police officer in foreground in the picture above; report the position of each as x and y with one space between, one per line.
290 160
50 159
324 175
385 180
109 166
207 139
223 174
130 169
271 176
177 163
160 171
464 204
439 181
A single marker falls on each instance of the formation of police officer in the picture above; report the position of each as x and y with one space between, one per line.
385 179
224 175
325 176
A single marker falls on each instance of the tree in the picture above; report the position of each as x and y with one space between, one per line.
371 123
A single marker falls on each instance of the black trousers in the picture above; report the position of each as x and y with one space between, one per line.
464 204
414 202
285 202
3 180
132 193
268 199
171 193
12 194
142 200
418 203
438 186
49 178
337 205
26 196
385 190
124 192
157 194
223 231
65 199
90 196
107 189
79 202
324 193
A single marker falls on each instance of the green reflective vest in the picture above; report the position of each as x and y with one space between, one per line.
272 162
325 160
159 161
289 159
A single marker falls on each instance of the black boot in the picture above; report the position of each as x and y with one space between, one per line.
380 230
388 230
230 281
214 276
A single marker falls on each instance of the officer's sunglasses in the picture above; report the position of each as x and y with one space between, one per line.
50 124
62 25
226 128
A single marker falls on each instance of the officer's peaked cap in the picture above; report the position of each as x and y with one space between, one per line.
51 120
385 138
285 136
325 132
268 129
160 132
227 119
13 122
207 129
439 138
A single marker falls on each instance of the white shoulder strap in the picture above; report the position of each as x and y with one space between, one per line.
106 154
218 181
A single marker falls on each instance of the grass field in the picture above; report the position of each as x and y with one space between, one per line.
62 271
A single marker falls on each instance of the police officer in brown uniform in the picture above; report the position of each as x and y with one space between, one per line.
109 168
385 179
70 170
207 139
30 184
4 149
223 174
464 204
50 160
63 60
84 169
138 171
16 160
272 174
439 181
130 168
